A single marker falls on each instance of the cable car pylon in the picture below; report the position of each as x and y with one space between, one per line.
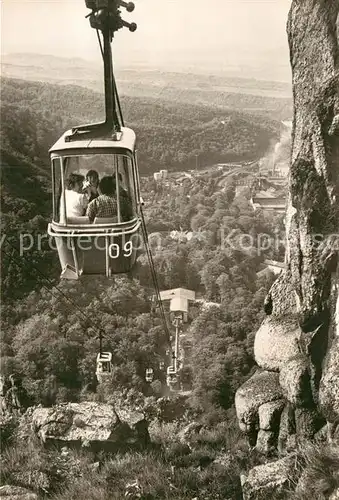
105 17
179 299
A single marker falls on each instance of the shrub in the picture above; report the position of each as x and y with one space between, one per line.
222 436
8 425
164 433
320 476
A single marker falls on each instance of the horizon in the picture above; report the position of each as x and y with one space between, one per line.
10 59
240 39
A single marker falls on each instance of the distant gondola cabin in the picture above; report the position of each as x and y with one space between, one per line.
171 377
104 366
149 375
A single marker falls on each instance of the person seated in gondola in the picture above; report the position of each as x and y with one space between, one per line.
92 182
105 205
76 199
125 201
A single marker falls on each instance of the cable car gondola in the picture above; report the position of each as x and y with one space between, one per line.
149 375
171 378
104 366
95 180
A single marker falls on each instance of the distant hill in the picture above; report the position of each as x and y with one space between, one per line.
35 114
264 97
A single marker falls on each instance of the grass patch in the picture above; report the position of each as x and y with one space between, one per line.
26 465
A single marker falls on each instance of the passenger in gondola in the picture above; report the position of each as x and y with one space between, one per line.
76 200
105 205
92 179
125 201
126 206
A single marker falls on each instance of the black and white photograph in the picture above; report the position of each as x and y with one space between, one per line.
169 250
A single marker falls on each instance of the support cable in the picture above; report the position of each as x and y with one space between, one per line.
118 101
154 278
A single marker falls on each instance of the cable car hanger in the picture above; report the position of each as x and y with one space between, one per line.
106 17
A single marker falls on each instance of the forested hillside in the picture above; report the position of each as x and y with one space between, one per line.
53 346
34 113
267 98
169 134
50 338
50 334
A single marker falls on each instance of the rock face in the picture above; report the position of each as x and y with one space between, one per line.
276 342
329 393
298 342
295 381
259 390
89 424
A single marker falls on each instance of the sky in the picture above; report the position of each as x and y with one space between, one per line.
226 34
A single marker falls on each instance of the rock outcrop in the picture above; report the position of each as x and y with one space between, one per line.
329 390
95 425
259 396
298 343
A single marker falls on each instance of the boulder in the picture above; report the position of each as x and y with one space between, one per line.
271 480
269 415
266 442
276 342
295 382
287 426
136 422
89 424
308 422
261 388
8 492
303 303
329 384
282 296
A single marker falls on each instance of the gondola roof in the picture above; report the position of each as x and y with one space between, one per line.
87 145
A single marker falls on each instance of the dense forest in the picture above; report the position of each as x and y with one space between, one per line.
223 274
220 273
220 91
169 134
50 329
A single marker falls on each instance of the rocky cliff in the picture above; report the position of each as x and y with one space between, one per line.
296 388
